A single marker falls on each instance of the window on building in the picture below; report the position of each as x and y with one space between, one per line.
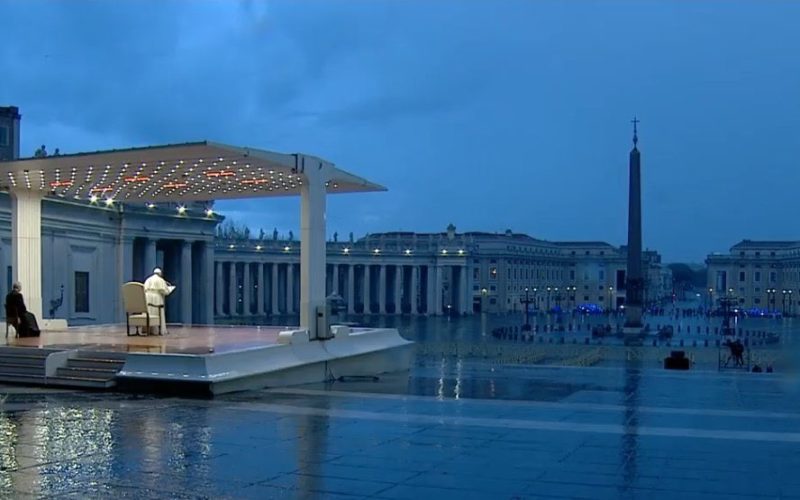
600 299
757 290
757 276
4 139
81 292
756 300
586 298
493 300
493 273
493 288
741 276
601 275
476 272
572 275
773 277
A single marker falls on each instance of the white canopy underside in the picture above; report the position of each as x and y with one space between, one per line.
174 173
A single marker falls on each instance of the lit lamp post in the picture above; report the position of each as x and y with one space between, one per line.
548 300
710 299
484 294
527 300
771 299
571 293
558 299
787 295
610 293
535 300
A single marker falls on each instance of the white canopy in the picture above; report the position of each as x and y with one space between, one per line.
173 173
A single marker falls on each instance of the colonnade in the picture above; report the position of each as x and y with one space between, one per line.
247 288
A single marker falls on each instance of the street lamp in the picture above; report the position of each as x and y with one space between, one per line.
783 302
535 300
610 293
771 299
558 299
571 293
527 326
710 299
484 293
548 300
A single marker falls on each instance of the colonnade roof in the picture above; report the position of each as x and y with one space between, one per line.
195 171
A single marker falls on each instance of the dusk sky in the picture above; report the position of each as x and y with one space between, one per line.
492 115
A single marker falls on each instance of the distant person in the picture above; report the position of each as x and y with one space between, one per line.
156 288
23 321
41 152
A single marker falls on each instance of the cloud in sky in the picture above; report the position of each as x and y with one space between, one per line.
486 114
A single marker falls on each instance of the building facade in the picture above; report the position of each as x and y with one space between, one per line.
760 274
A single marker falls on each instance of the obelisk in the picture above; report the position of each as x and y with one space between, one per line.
634 286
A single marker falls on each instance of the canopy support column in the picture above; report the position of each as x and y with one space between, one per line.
312 250
26 246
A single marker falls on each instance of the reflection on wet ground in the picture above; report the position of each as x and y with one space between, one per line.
452 427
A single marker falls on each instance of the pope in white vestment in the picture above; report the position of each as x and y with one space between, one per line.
156 289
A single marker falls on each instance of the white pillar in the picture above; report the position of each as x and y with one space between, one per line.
412 290
274 284
437 291
247 289
289 288
232 302
462 290
367 294
382 289
398 289
26 246
336 279
219 290
186 282
351 289
312 251
260 289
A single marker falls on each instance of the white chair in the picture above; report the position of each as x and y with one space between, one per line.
136 311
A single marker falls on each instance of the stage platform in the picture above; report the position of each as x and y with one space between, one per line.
180 340
208 360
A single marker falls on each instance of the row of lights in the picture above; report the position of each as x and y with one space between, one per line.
346 250
181 209
190 176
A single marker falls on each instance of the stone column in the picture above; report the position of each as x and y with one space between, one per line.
260 289
149 256
462 290
247 289
206 316
290 288
351 289
367 309
232 286
219 290
382 289
412 290
437 291
274 288
398 289
429 296
335 279
186 283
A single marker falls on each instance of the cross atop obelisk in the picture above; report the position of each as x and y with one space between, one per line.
634 286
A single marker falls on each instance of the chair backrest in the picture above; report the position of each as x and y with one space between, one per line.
133 297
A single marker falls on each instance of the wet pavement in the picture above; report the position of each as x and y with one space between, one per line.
448 429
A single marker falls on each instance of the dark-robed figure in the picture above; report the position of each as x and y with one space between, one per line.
23 321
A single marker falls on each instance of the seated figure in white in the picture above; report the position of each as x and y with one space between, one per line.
156 288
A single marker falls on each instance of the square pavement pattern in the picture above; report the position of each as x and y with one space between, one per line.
449 430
